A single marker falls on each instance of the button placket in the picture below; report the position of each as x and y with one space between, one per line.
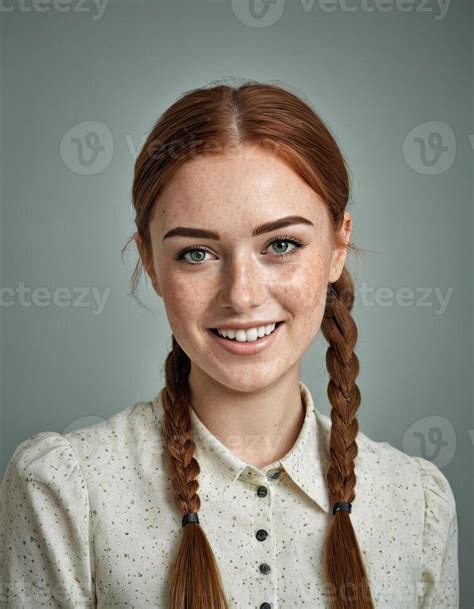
265 555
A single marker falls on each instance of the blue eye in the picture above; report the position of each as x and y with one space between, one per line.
202 249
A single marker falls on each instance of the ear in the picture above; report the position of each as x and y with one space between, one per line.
339 254
147 261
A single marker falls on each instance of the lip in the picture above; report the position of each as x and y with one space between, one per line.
247 348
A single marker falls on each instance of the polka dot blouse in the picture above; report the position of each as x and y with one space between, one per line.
88 519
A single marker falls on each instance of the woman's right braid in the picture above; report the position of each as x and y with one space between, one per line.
177 429
195 581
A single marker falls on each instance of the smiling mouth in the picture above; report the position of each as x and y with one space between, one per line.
214 331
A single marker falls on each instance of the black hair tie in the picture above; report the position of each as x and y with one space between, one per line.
189 518
342 505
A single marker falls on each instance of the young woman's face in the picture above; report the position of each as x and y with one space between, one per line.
234 276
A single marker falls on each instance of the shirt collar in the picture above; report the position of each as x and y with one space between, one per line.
305 463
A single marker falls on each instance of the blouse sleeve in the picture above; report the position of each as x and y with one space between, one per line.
45 558
439 585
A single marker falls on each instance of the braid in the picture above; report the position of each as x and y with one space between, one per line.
343 561
195 580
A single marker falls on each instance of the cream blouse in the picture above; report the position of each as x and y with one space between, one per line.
88 519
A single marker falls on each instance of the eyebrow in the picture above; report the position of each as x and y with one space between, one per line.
267 227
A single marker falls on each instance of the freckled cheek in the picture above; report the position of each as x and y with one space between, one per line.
183 302
304 289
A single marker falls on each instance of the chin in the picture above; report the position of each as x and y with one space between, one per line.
244 382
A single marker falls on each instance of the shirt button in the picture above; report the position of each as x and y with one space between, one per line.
261 491
261 535
274 475
264 568
265 606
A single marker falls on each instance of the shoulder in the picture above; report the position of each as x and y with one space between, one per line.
440 503
118 441
419 475
43 456
43 472
414 486
121 428
50 456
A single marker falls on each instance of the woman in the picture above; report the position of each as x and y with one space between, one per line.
230 489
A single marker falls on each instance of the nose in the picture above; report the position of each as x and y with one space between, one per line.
242 285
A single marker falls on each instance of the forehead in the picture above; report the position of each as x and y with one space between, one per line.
233 192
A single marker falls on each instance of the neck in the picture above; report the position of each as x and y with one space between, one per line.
258 426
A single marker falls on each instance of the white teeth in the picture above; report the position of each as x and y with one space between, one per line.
249 335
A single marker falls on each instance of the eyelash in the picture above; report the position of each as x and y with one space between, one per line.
299 244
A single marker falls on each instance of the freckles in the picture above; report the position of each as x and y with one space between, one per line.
304 284
305 297
178 295
185 298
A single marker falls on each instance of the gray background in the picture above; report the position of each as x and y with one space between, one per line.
374 75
